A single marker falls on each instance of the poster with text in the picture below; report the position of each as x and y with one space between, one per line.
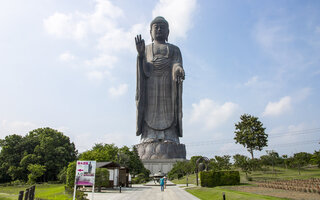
85 172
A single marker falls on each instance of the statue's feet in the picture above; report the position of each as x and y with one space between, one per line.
148 140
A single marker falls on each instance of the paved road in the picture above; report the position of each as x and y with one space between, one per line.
140 192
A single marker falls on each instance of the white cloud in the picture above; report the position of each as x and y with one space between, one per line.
66 25
118 91
66 56
15 127
100 25
212 114
252 81
278 108
95 75
103 60
179 15
78 25
98 75
302 94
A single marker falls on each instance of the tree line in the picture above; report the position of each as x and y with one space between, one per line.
246 164
44 154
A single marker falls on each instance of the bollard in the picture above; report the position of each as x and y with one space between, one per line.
187 180
21 195
26 196
120 188
224 196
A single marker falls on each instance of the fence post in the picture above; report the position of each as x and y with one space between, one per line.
26 196
30 193
21 195
33 188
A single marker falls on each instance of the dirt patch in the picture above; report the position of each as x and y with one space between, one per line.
275 192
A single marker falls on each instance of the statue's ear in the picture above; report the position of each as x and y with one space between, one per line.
151 35
167 36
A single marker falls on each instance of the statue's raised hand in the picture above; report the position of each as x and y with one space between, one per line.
140 45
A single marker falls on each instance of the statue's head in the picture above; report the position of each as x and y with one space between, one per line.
159 29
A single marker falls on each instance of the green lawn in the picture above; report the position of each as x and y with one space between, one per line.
43 191
266 174
216 193
283 174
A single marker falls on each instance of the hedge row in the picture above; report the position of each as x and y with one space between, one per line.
218 178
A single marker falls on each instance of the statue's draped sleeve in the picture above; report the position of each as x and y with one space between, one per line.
142 74
177 89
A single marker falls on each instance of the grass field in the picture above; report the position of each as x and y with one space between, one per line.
283 174
266 174
247 190
43 191
216 193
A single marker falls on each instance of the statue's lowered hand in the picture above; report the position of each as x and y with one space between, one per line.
179 74
140 45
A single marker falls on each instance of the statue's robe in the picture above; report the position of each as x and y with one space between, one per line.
159 95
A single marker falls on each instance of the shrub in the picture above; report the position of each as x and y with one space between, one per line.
71 173
36 171
62 176
140 178
80 195
219 178
102 178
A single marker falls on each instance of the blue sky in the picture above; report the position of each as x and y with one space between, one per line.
70 65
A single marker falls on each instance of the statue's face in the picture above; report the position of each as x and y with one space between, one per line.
159 31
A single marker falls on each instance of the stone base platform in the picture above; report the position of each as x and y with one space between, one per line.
163 165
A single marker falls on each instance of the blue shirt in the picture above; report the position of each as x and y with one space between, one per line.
161 181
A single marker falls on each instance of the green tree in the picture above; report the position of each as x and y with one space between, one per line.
272 158
101 152
62 176
243 162
54 150
315 159
130 159
300 159
36 171
71 174
102 178
285 161
43 146
251 133
12 151
180 169
223 162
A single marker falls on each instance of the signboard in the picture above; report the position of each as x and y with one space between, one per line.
85 173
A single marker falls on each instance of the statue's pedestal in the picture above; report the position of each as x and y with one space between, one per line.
163 165
161 150
161 156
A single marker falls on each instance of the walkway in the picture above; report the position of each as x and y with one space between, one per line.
140 192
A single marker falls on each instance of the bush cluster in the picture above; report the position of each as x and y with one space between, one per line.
219 178
140 178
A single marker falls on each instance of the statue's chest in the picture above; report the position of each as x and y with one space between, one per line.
160 50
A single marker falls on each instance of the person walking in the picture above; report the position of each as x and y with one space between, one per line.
162 184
